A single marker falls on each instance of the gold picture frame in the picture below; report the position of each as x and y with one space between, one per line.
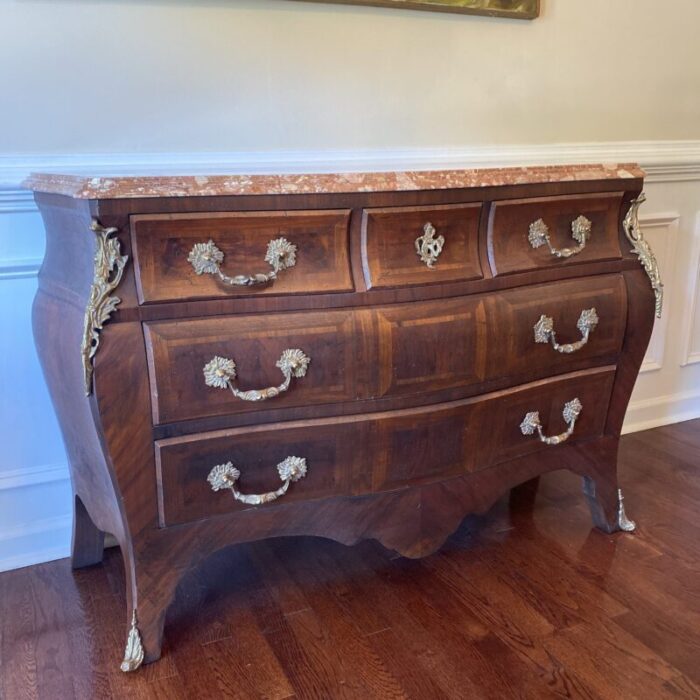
514 9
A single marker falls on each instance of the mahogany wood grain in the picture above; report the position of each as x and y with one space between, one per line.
421 349
389 256
163 243
374 453
334 342
509 223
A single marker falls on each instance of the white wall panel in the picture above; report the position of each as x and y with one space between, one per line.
691 331
35 503
669 391
661 231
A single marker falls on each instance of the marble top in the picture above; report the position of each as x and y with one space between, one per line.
123 187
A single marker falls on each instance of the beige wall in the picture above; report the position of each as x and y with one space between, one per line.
228 75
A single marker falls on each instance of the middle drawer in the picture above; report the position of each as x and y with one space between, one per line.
452 347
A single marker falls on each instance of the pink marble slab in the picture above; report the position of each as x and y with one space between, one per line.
82 187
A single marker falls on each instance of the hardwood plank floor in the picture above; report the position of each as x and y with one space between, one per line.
525 602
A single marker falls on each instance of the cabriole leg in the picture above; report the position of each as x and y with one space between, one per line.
606 503
152 588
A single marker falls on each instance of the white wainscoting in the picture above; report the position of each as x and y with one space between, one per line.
35 494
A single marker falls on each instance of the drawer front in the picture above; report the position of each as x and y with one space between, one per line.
420 245
554 328
166 255
454 345
490 339
501 437
375 453
179 351
528 234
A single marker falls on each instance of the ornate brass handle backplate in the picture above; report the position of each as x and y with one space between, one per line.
580 232
206 259
225 476
544 331
531 423
428 247
220 371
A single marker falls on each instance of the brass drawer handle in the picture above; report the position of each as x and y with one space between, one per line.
544 331
220 371
206 259
225 476
428 248
580 232
531 422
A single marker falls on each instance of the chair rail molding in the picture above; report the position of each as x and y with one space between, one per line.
664 161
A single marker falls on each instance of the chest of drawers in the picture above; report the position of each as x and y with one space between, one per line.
349 356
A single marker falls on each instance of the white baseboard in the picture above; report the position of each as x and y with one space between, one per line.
27 543
35 543
33 557
661 410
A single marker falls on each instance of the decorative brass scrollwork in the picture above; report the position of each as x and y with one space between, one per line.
220 371
428 248
531 423
643 251
544 331
538 235
109 268
226 476
206 259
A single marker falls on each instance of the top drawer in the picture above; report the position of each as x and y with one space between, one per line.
526 234
403 246
166 255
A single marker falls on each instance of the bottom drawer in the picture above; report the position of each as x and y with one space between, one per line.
359 455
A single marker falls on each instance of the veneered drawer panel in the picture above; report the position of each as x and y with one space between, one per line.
402 350
183 465
431 345
389 251
500 435
510 249
379 452
179 350
164 242
513 348
462 342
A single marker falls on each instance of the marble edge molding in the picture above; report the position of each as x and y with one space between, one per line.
80 187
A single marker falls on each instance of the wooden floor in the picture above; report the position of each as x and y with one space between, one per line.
525 602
